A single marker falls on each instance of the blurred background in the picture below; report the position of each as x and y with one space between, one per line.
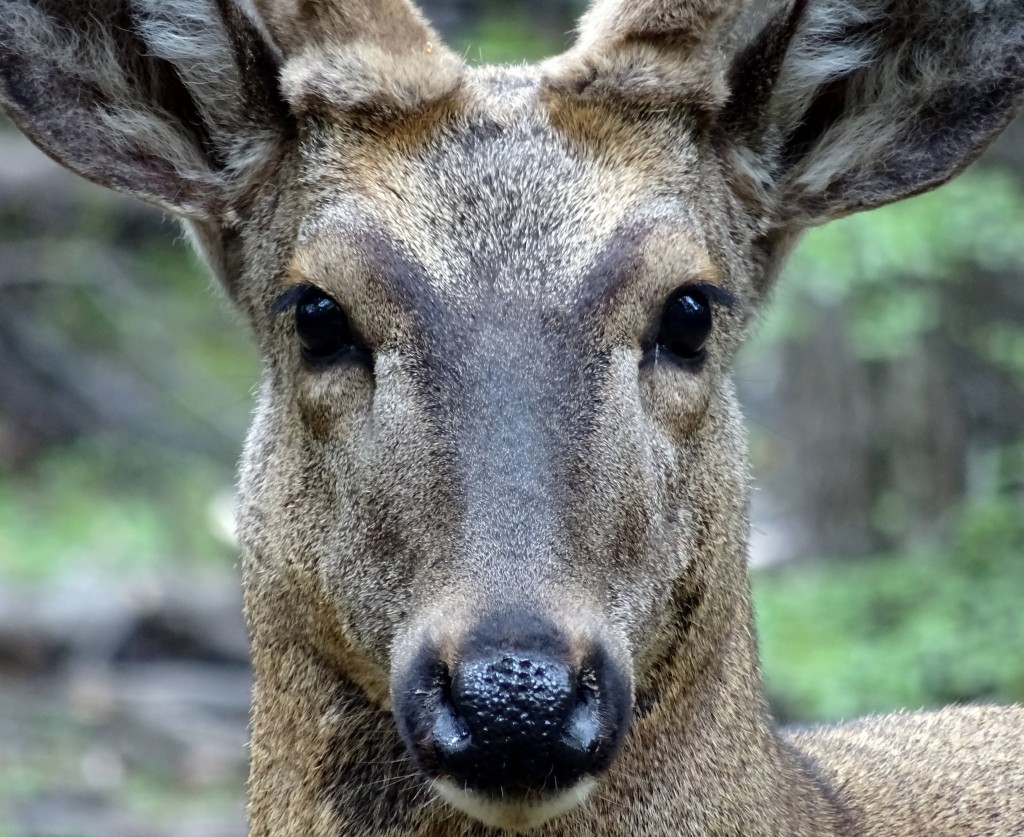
885 394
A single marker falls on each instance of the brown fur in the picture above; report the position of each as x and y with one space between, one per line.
659 51
505 240
372 56
296 25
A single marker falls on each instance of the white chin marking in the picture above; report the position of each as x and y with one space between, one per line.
513 815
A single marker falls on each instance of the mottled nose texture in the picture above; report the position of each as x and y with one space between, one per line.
511 719
527 724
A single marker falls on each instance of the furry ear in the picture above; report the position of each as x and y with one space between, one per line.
174 101
843 105
654 51
359 55
296 25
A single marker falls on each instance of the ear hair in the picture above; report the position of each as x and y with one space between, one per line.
366 78
359 55
298 24
179 32
840 105
653 51
688 21
170 100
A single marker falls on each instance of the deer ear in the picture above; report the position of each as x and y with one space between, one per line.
359 55
297 25
843 105
173 101
654 52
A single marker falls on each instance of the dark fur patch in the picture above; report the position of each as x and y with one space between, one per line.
614 266
516 630
755 72
645 702
369 778
826 109
404 279
317 420
686 601
813 772
258 67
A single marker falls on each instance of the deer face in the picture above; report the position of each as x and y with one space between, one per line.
499 429
496 483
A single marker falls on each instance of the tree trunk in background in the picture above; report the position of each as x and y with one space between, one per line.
878 448
878 453
826 417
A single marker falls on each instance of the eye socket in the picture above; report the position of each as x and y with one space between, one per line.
323 329
685 324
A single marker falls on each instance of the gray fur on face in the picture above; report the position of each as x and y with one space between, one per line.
504 242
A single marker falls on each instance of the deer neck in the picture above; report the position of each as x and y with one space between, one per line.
703 751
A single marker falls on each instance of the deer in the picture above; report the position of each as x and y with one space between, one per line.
494 502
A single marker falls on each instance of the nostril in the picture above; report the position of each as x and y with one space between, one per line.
449 732
584 727
517 722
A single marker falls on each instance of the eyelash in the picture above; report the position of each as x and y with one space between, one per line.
288 300
718 295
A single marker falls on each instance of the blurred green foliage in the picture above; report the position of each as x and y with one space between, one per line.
107 506
916 630
509 38
936 624
887 269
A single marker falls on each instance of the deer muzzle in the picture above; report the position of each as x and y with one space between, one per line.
518 716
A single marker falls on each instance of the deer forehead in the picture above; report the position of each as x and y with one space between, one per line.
505 194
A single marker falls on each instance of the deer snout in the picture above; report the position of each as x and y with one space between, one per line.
521 723
513 715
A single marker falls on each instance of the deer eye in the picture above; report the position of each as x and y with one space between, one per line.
685 324
322 327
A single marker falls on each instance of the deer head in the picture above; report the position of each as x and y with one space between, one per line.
495 495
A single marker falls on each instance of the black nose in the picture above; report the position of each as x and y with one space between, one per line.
528 723
512 719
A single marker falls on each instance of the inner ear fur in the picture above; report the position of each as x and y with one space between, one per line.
842 105
174 101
